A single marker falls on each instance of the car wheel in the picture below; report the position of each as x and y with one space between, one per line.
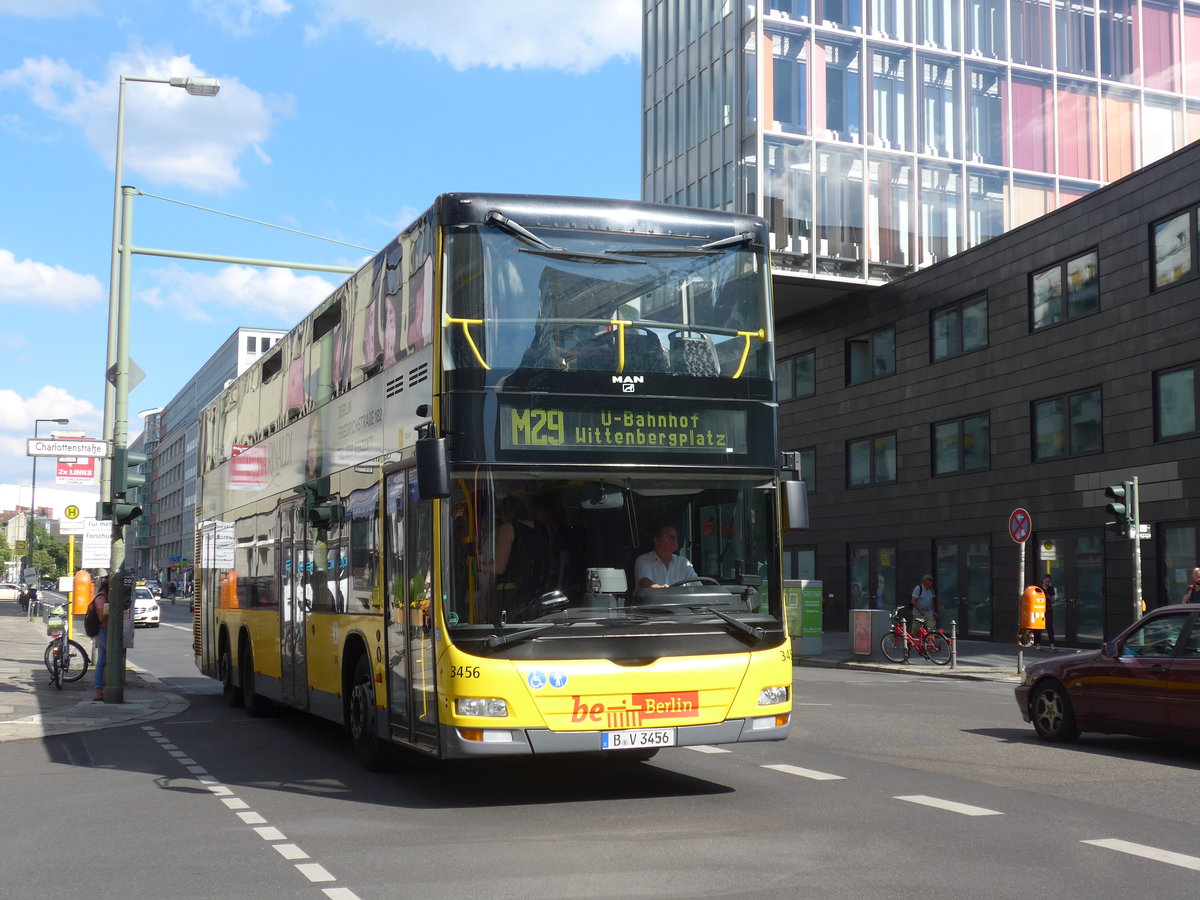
1052 713
230 690
369 749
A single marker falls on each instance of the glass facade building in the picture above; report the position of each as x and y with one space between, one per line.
880 136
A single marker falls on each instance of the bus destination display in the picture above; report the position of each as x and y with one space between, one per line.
616 428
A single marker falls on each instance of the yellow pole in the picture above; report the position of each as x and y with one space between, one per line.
71 592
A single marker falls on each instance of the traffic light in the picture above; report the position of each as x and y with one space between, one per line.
1119 507
124 462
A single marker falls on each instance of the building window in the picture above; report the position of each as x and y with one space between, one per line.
1175 403
808 469
962 445
959 328
871 356
871 460
1173 249
1067 426
1067 290
795 376
800 564
251 342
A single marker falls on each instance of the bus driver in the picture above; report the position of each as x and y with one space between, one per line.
662 566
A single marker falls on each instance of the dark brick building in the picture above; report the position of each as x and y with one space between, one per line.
1030 371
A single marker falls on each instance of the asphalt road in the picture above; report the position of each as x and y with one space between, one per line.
890 785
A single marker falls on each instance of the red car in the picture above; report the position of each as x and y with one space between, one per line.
1145 682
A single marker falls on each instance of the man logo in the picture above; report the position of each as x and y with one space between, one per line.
628 383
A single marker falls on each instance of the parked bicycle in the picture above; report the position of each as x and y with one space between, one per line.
65 659
933 645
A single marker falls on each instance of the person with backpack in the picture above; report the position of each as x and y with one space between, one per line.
100 603
924 603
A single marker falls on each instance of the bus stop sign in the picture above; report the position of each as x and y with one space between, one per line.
1020 525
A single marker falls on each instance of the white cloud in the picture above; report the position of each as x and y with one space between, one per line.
171 137
242 17
46 9
31 283
517 34
17 415
280 295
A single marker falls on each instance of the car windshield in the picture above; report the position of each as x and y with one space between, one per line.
570 550
142 594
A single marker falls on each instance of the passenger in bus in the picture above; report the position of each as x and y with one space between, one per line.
662 566
520 562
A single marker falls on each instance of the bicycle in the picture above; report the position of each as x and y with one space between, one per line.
64 658
933 645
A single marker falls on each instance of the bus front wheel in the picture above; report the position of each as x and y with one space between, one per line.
368 748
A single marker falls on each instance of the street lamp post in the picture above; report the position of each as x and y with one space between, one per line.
116 385
33 495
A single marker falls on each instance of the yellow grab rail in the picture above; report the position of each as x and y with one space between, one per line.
761 334
467 334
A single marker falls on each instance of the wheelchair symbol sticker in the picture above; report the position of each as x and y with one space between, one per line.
536 679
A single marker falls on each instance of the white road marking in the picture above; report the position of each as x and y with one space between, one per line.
806 773
950 805
707 748
1154 853
314 872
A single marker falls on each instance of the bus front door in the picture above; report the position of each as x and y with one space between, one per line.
297 561
412 691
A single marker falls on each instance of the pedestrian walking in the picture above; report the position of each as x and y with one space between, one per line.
100 601
924 603
1051 593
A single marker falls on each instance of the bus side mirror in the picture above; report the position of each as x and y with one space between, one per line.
433 472
795 505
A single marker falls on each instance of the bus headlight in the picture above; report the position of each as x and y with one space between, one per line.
772 695
481 706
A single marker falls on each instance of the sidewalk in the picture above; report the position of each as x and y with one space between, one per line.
976 660
31 707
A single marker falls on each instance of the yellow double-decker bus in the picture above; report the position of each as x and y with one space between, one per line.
432 511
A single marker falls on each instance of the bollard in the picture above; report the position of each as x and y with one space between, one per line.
904 637
953 643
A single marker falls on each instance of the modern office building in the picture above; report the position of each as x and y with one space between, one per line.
172 519
880 136
968 320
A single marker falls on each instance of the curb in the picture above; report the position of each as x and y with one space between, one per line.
998 675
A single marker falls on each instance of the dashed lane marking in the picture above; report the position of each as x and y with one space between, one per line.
314 872
950 806
707 748
806 773
1167 856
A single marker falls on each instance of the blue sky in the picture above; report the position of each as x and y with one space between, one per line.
342 118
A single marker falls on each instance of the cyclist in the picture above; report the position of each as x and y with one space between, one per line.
924 603
100 600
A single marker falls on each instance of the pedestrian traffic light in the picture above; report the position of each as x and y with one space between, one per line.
124 476
1120 498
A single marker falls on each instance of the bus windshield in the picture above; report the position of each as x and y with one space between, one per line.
603 301
574 549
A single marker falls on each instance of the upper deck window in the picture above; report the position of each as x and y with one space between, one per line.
578 301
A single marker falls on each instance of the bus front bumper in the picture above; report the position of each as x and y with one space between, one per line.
468 743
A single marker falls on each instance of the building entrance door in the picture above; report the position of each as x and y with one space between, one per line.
1078 573
963 581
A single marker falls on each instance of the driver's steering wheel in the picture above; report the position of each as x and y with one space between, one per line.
703 579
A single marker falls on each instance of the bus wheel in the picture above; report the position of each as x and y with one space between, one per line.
368 748
229 688
256 705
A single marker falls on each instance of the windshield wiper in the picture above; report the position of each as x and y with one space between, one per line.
709 249
504 223
753 632
495 641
